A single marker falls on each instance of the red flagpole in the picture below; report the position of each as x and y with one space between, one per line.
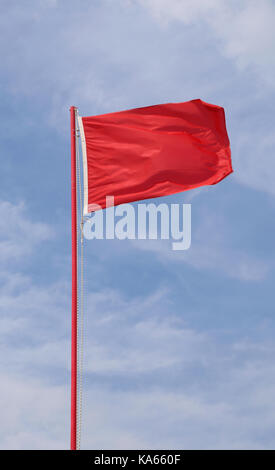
74 284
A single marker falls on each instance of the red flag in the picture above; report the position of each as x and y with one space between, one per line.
153 151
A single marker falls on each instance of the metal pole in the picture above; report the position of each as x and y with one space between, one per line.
74 284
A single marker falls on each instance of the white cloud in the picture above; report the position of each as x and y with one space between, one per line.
244 29
193 421
255 160
217 257
19 234
70 68
182 10
144 369
35 414
135 333
210 250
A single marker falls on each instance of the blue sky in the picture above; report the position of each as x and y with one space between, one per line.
179 348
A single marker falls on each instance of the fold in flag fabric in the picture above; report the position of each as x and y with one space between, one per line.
154 151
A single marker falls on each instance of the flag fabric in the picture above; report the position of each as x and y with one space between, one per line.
154 151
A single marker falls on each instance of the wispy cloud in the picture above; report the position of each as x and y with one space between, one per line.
245 30
160 370
19 235
143 371
211 250
28 402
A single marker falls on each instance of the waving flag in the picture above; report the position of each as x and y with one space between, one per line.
138 154
153 151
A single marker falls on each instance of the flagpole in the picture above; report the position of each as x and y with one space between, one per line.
74 283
